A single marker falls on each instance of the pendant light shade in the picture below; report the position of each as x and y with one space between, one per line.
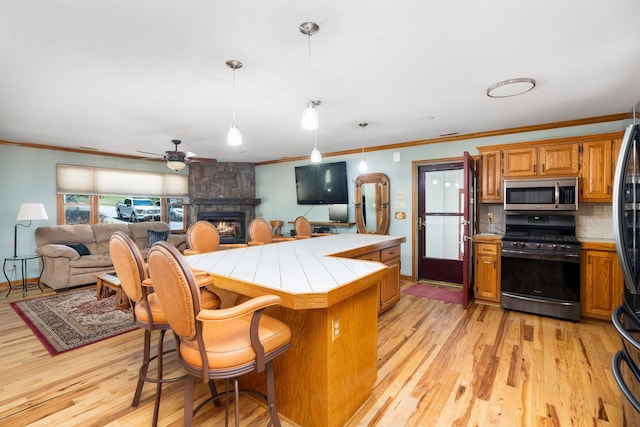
362 167
234 137
309 119
316 156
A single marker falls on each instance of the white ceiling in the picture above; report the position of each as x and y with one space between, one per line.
129 75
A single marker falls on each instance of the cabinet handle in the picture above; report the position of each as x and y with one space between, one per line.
543 167
534 168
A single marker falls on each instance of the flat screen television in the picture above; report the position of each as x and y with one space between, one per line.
322 184
338 213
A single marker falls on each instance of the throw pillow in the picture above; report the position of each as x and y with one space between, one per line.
80 248
157 236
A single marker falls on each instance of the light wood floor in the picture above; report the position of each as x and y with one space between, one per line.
438 365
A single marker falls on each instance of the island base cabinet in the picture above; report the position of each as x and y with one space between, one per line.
322 379
389 291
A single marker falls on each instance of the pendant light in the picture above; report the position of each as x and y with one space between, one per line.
233 136
316 156
309 119
363 163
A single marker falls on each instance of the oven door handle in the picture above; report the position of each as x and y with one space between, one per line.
557 194
508 253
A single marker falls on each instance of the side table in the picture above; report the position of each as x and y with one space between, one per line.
109 281
23 260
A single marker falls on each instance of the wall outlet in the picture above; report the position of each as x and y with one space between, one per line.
401 194
335 329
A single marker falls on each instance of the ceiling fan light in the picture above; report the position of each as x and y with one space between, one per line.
363 167
176 165
316 157
233 136
309 119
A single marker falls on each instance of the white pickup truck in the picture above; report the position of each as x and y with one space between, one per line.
138 210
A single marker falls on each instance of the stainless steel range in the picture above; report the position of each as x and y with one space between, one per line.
540 261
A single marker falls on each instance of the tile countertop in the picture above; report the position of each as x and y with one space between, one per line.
298 267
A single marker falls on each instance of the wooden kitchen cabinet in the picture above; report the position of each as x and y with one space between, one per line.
542 160
487 268
601 281
389 289
490 176
598 166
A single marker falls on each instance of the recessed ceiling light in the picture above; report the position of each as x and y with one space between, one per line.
511 87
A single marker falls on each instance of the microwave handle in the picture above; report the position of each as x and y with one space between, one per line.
557 194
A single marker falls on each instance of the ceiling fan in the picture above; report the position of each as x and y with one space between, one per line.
178 160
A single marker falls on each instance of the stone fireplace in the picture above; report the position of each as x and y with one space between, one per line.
224 192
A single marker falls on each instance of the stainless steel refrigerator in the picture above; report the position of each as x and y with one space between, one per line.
626 318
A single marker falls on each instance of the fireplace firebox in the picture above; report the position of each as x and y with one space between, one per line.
230 225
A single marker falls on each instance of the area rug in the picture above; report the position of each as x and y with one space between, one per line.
73 319
440 294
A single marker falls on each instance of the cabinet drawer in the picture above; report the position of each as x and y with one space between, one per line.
390 253
486 248
371 256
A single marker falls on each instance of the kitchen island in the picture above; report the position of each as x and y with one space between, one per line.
329 300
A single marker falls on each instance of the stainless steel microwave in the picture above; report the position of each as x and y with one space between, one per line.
541 194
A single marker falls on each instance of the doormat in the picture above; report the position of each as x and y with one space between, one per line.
73 319
440 294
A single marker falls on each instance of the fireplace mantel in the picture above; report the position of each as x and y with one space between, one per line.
226 201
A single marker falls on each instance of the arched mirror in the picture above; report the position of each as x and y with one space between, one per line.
372 203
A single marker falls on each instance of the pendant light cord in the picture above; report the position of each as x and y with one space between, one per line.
234 97
309 66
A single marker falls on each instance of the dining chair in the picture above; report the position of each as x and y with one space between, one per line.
202 236
217 344
260 233
147 312
303 229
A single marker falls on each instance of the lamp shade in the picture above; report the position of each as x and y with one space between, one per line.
316 156
31 211
309 119
233 136
176 165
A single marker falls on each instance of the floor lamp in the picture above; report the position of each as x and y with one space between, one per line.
28 212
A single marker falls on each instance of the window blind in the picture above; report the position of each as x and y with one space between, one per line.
72 179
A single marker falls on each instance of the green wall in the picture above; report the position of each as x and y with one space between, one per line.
28 175
275 184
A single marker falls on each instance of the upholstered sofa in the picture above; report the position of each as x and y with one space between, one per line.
72 254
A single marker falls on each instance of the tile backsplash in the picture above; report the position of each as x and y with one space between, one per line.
593 220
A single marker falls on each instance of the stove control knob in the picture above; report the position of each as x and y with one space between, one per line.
554 246
514 244
538 245
523 244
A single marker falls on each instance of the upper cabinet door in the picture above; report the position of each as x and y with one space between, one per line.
559 159
490 177
597 171
520 162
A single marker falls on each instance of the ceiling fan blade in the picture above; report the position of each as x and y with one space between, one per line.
201 159
146 152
